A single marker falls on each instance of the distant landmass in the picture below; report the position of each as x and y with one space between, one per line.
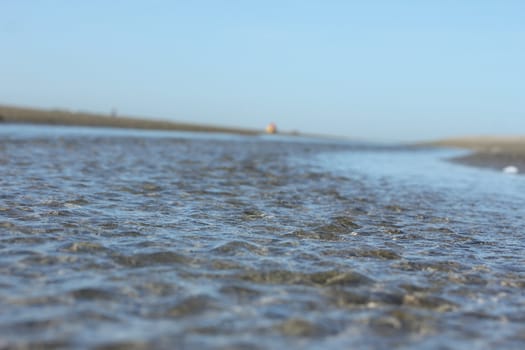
25 115
496 152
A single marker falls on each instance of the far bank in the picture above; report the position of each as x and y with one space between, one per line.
25 115
494 152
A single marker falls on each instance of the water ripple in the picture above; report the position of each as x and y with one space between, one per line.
174 241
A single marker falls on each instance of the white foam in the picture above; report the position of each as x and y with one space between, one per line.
511 169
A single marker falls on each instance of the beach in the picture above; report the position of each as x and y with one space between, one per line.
494 152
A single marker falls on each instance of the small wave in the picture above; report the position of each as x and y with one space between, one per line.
240 248
150 259
325 278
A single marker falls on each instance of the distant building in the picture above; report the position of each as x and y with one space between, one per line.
271 128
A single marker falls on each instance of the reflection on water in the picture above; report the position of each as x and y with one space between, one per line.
128 239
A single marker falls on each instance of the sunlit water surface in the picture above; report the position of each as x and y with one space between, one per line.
133 239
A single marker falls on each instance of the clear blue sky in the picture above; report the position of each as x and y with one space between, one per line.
391 70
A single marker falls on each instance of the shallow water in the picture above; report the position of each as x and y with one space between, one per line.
130 239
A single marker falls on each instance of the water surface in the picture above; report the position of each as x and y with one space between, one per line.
134 239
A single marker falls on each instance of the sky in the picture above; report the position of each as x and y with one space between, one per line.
378 70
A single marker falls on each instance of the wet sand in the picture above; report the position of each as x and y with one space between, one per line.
23 115
495 152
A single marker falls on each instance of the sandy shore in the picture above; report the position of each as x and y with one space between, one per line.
10 114
495 152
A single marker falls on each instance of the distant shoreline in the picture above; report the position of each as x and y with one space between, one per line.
61 117
493 152
25 115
